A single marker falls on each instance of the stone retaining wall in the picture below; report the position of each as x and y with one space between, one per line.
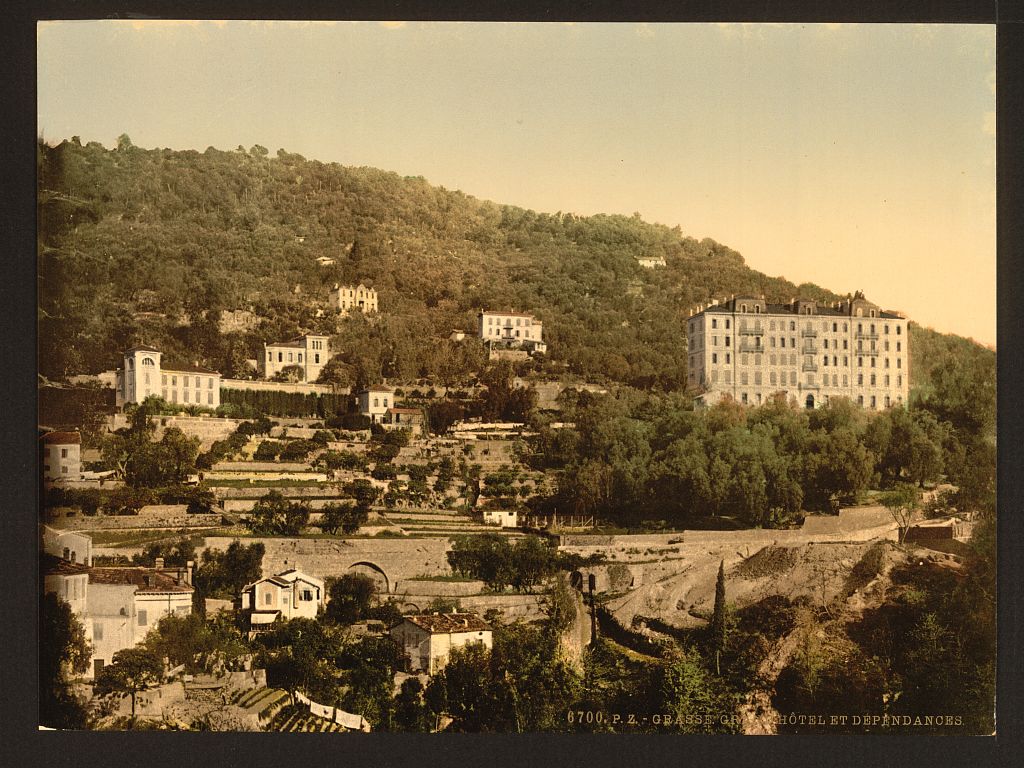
80 522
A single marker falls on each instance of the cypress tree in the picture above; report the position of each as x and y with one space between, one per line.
718 618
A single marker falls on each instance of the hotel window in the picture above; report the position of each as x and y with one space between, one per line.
846 344
63 453
824 326
300 357
64 470
728 358
872 379
887 346
887 403
714 322
810 378
97 631
209 398
792 361
714 377
773 342
209 383
290 357
744 309
886 379
771 377
792 325
860 379
860 362
385 402
899 347
163 393
727 323
757 359
792 378
743 378
163 379
872 362
758 398
825 343
835 327
714 357
835 360
174 381
772 359
714 341
860 400
728 376
886 327
835 380
757 378
792 342
280 357
174 395
184 394
771 325
846 381
142 618
899 330
744 395
873 401
899 382
317 358
743 359
824 360
727 341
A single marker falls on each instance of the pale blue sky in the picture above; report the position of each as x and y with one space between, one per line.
853 156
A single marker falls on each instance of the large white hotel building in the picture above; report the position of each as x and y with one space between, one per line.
809 351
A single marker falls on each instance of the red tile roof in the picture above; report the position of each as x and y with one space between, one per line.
143 348
164 581
55 566
190 369
62 438
444 623
404 410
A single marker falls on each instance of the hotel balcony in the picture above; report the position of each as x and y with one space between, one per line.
809 366
809 333
866 334
751 331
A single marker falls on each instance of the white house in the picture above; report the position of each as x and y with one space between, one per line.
62 456
512 329
404 418
357 297
428 639
506 518
650 262
375 402
125 603
286 595
67 545
310 353
143 375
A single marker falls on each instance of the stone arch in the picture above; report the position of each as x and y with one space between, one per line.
376 569
810 402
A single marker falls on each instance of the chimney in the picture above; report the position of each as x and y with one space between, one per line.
188 572
160 563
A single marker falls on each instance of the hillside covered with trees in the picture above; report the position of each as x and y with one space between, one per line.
151 245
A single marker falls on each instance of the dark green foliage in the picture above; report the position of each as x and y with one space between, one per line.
223 574
520 686
302 655
351 596
130 671
273 515
718 629
490 558
196 642
410 711
63 654
342 517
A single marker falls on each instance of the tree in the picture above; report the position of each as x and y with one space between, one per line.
351 596
63 652
902 503
487 557
273 515
195 641
345 517
410 712
223 574
131 671
370 665
718 617
682 688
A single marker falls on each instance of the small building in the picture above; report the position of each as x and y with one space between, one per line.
125 603
428 638
649 262
324 261
512 330
62 456
307 354
940 529
286 595
457 335
358 297
506 518
69 581
67 545
375 402
404 418
143 375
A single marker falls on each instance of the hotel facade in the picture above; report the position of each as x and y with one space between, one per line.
809 351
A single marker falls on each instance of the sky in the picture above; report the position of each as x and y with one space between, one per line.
854 156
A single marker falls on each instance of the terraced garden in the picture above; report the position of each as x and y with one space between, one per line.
295 718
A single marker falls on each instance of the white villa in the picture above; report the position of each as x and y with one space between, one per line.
142 376
349 297
512 329
310 353
375 402
62 456
286 595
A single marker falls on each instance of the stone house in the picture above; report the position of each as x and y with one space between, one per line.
375 402
428 639
286 595
310 353
62 456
